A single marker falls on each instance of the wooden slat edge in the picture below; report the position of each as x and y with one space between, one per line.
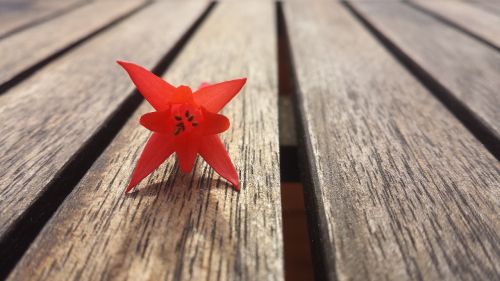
23 52
183 227
459 70
402 191
38 12
49 117
466 17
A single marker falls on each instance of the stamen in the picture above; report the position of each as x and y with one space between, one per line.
190 118
178 131
187 114
178 118
194 124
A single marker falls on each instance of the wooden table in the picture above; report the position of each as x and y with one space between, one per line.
396 107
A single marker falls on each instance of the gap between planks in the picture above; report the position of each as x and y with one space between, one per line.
31 20
397 188
481 31
17 239
45 43
246 226
485 131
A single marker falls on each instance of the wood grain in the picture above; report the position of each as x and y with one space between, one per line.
400 190
183 226
25 49
16 15
467 16
464 66
47 118
489 6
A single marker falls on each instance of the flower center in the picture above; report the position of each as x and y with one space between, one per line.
186 118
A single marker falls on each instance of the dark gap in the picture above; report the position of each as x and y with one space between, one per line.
468 118
289 168
285 85
452 25
320 251
297 253
43 19
37 66
25 230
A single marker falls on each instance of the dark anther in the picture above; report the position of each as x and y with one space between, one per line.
177 131
180 128
187 114
178 118
190 118
195 124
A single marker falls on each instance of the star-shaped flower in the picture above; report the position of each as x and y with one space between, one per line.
184 122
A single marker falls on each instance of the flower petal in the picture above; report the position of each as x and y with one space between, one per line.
153 88
186 151
182 94
213 151
157 149
214 97
214 123
157 121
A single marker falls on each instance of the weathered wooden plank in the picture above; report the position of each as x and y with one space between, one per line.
490 6
25 49
399 188
468 69
467 16
183 227
46 119
16 15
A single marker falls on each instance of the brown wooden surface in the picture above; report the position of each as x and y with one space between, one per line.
29 47
298 262
183 227
400 190
463 65
16 15
46 119
467 16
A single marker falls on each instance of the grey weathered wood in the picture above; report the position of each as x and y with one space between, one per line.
401 190
47 118
19 14
25 49
467 16
466 67
490 6
192 226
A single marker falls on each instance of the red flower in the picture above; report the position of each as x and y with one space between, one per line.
184 122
